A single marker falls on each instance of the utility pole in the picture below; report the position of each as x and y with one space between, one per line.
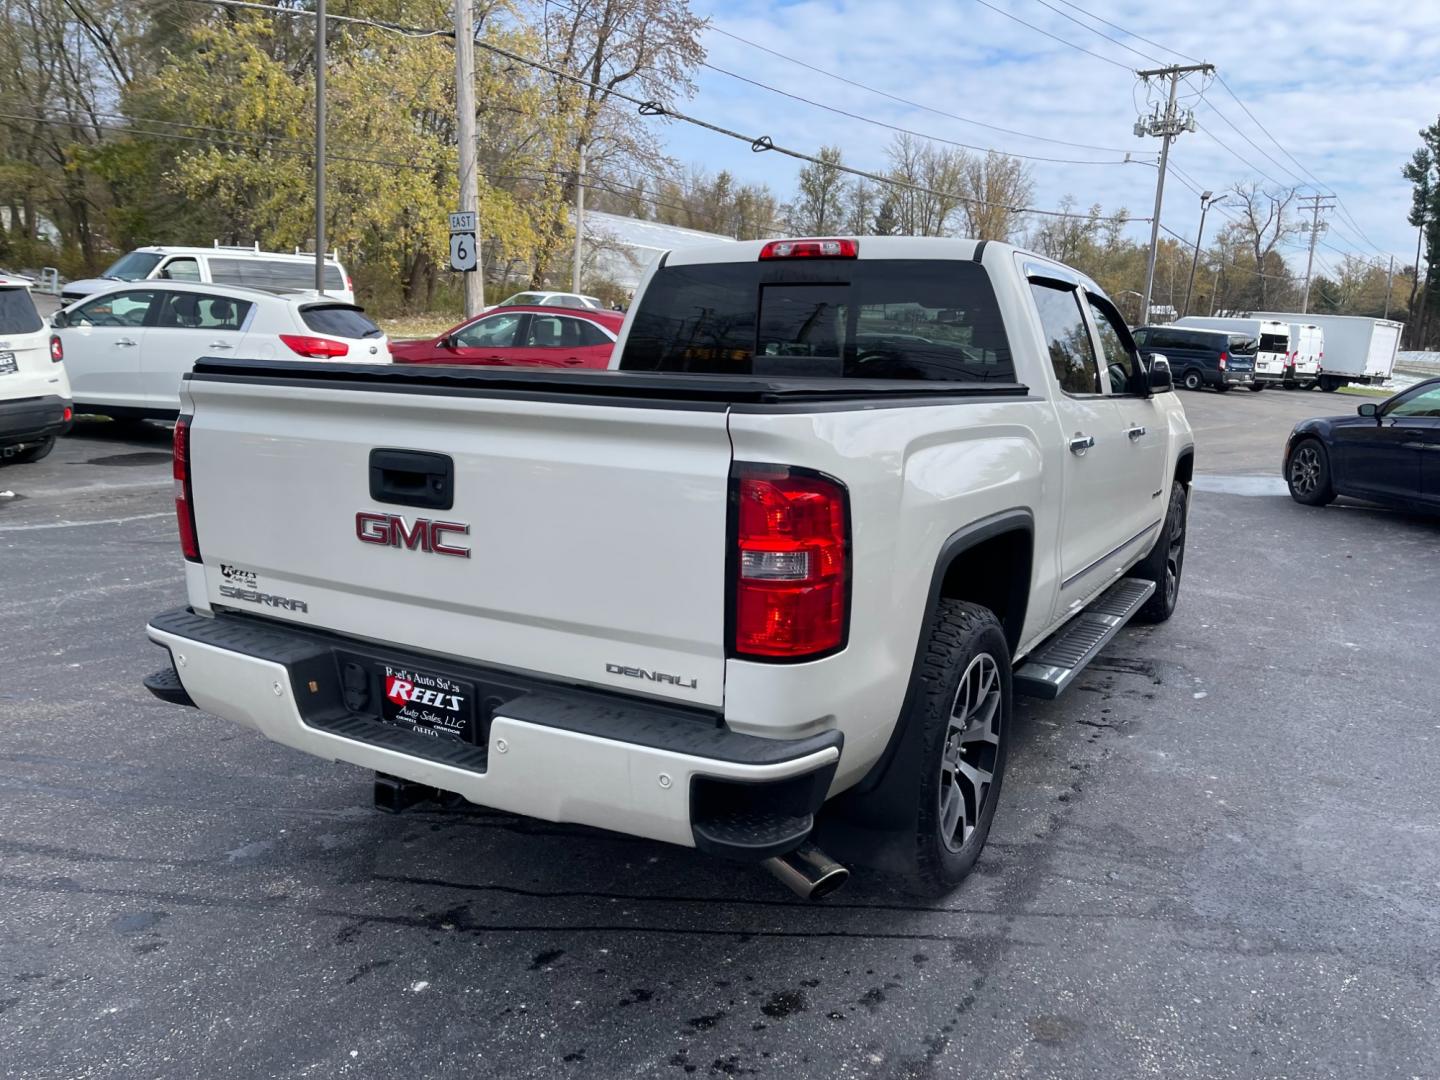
579 221
1317 204
1389 284
1215 288
465 134
320 146
1167 126
1207 200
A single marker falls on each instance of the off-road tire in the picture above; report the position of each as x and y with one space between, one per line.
958 639
1165 564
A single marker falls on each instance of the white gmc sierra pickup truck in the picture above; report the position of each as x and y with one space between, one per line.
764 588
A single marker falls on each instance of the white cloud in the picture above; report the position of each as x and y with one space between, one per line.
1345 88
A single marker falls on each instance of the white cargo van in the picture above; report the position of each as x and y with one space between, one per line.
1272 343
1307 351
273 271
1357 349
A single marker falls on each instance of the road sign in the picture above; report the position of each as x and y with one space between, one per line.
463 221
462 251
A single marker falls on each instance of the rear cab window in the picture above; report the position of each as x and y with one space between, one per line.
340 320
17 312
917 319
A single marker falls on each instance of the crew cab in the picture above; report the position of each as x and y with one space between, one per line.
764 588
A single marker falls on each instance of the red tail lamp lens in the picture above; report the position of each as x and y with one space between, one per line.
792 563
184 495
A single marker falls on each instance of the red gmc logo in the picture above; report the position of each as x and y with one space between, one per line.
391 530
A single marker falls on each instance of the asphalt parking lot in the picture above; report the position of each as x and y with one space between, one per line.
1218 857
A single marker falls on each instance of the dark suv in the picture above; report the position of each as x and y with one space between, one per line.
1202 357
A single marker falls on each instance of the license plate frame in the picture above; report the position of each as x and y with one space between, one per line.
8 364
427 703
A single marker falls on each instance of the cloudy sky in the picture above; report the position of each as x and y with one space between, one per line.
1344 87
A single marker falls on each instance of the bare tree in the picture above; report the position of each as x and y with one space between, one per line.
1264 226
928 185
820 202
999 187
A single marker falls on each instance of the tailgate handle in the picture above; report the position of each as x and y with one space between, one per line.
412 478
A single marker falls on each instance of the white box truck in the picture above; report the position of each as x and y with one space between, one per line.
1272 343
1357 350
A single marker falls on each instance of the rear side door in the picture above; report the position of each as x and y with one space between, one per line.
566 341
1095 526
102 338
187 326
495 339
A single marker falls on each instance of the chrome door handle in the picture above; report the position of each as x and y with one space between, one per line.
125 342
1080 444
1135 433
220 345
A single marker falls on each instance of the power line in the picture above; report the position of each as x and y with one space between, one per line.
1131 33
904 130
911 103
1107 37
1053 37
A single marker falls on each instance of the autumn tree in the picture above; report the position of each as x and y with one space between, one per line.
821 193
1423 172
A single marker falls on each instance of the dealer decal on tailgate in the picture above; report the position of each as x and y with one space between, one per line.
427 704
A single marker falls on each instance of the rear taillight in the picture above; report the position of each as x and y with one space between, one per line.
810 249
184 495
791 563
57 350
315 348
1224 359
349 285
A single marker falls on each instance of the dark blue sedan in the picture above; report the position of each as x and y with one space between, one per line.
1389 453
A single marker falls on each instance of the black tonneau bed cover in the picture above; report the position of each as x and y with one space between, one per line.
657 388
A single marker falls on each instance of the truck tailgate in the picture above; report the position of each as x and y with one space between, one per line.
597 531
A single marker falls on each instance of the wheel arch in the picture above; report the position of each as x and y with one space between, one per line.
991 558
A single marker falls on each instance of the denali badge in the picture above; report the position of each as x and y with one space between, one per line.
391 530
653 676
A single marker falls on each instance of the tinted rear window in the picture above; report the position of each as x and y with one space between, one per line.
1274 343
1242 343
17 312
340 321
867 319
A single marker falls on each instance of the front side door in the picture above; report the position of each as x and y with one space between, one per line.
1093 531
495 339
1139 482
102 340
187 325
1414 420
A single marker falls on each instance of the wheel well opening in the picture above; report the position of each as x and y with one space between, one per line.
995 573
1185 469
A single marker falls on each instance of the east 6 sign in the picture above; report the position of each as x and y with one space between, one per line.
463 256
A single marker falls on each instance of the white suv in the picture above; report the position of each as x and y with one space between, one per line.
275 271
34 393
127 348
552 299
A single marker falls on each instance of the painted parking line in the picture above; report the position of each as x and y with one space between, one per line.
1241 485
82 524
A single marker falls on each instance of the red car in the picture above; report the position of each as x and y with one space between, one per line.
545 336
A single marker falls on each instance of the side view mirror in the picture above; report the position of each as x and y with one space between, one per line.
447 342
58 321
1369 409
1160 378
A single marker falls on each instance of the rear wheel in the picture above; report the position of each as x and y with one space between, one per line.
964 710
1193 380
1223 387
1328 384
1308 474
1166 560
1256 387
34 452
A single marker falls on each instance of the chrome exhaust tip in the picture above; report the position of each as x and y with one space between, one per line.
808 872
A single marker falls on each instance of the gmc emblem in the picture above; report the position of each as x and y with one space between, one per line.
390 530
